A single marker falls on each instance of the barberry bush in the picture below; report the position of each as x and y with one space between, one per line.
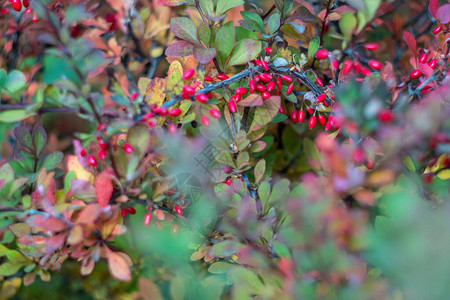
224 149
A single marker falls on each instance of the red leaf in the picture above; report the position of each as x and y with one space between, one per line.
47 222
104 188
89 214
118 266
204 55
171 2
443 14
179 48
426 69
252 100
55 242
433 7
410 41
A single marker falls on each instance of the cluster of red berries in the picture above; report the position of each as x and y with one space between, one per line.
92 160
300 116
17 6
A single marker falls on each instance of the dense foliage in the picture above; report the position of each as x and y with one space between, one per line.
224 149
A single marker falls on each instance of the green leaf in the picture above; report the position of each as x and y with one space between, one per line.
75 13
347 24
247 279
279 190
204 55
281 249
53 160
143 82
274 23
14 115
244 51
260 168
139 137
220 267
243 33
2 79
204 33
39 139
370 8
266 112
9 268
185 29
224 249
249 15
361 21
23 136
224 42
207 7
298 26
224 5
264 192
15 83
310 149
313 46
6 173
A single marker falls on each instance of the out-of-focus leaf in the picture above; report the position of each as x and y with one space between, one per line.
14 115
104 188
225 5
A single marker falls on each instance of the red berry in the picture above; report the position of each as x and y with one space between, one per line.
312 122
320 98
222 77
433 63
437 30
365 71
258 62
322 120
175 112
252 86
83 152
128 148
371 46
322 54
271 86
301 116
172 129
241 91
279 83
178 210
310 110
28 11
335 64
35 17
268 50
227 170
228 181
375 64
189 90
201 98
319 81
205 120
102 154
16 5
124 212
415 74
265 65
232 106
423 58
148 219
101 127
92 160
131 210
260 88
133 96
289 89
286 78
26 3
385 116
161 111
188 74
281 110
265 95
294 116
214 113
266 77
209 79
